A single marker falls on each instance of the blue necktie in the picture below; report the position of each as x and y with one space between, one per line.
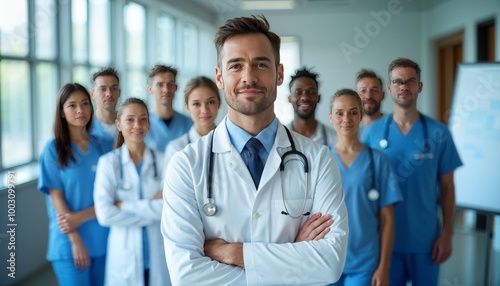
253 162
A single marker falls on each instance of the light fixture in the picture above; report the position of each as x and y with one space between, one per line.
267 5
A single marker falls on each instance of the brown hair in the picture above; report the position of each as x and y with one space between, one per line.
348 92
61 129
131 100
245 26
364 73
404 63
200 81
109 71
159 69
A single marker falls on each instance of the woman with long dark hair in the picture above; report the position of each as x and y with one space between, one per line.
77 243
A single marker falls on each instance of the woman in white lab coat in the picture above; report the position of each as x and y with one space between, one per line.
202 102
128 199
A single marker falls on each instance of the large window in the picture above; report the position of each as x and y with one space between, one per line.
165 36
135 49
28 78
91 38
47 43
290 57
16 119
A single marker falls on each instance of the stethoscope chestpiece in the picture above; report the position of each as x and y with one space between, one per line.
210 209
373 195
124 185
383 143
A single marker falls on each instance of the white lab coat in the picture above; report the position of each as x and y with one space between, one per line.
124 260
322 130
181 142
252 217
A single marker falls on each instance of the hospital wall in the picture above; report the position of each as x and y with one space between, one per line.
321 35
376 40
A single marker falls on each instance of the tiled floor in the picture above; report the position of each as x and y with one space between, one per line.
43 277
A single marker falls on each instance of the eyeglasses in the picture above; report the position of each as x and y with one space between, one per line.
399 82
308 92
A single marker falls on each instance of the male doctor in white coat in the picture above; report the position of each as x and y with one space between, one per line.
285 227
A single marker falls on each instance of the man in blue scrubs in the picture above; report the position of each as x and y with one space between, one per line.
424 158
105 93
166 123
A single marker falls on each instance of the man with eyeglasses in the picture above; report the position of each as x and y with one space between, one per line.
166 124
304 98
105 93
369 87
424 157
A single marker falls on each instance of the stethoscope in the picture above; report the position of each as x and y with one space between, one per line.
323 131
125 185
383 143
210 208
373 194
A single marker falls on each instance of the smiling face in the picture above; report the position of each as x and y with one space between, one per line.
77 109
345 115
248 75
203 105
304 97
404 86
133 123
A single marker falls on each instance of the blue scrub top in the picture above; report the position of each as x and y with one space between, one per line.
77 182
106 141
416 218
363 248
160 134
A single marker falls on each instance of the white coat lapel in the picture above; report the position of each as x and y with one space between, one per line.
222 144
128 169
281 143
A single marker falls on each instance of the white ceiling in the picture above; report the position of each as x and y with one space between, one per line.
313 6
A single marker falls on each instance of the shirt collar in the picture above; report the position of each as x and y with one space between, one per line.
239 137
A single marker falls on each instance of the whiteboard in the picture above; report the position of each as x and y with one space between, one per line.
475 126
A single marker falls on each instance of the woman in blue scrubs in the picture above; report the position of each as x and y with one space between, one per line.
370 192
77 243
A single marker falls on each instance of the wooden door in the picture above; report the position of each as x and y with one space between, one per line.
450 54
